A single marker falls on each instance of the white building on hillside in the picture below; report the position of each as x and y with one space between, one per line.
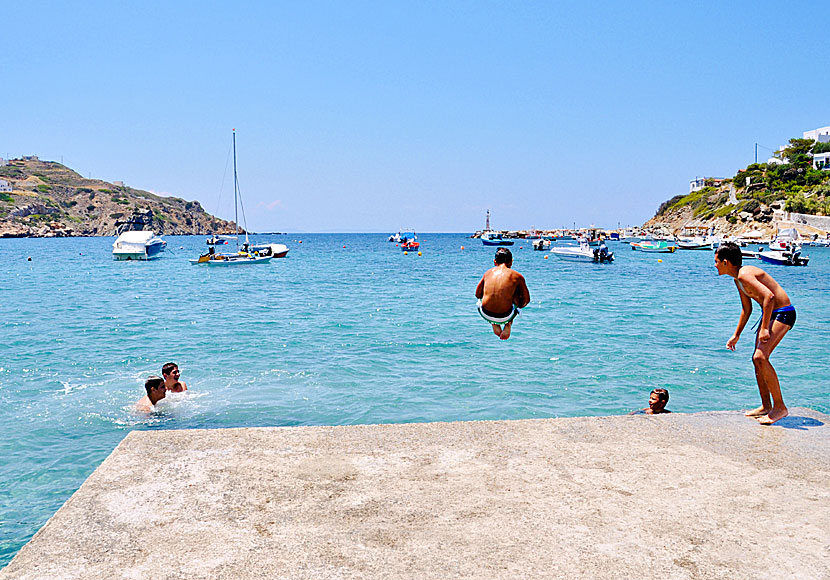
699 183
821 161
3 162
5 187
820 135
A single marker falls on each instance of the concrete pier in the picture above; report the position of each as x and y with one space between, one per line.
712 495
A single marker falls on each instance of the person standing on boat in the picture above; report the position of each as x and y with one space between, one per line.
501 292
171 375
777 318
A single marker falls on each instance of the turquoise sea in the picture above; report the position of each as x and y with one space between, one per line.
348 330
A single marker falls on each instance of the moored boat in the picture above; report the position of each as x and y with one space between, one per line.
246 255
791 257
495 239
696 243
660 246
584 253
137 245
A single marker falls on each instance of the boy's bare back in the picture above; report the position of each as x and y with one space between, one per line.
501 287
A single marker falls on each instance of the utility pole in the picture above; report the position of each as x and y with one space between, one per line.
756 153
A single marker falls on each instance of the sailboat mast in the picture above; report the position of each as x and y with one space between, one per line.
235 188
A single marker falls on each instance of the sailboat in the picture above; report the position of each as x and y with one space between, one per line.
243 256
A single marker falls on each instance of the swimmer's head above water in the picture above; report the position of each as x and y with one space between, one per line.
153 383
657 400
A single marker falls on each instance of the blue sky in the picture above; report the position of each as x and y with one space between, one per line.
373 116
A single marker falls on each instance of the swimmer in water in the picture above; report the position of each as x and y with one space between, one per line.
657 401
501 292
171 375
777 318
156 391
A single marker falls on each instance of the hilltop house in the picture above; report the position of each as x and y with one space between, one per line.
5 187
820 135
699 183
3 162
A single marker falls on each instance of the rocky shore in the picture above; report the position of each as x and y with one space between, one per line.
47 199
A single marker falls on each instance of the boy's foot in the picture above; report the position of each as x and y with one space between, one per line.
759 412
773 416
497 330
505 332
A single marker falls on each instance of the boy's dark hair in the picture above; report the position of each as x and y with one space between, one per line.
662 394
503 256
730 252
153 382
168 368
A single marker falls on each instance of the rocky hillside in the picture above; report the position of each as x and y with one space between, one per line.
49 199
759 198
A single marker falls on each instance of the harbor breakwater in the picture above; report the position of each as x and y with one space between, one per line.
708 495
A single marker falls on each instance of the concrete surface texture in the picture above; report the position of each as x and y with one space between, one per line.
711 495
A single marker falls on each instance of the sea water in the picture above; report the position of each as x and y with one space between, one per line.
350 330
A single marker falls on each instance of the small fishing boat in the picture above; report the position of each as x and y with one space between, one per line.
660 246
584 253
495 239
541 244
492 238
137 245
696 243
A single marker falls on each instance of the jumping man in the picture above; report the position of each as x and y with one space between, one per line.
501 292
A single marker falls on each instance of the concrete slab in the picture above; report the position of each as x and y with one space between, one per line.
710 495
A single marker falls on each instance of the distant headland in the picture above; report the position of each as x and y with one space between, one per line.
791 189
47 199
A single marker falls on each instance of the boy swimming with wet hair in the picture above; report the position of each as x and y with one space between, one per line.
657 401
501 292
171 375
777 318
156 391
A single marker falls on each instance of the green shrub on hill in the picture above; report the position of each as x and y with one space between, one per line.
6 197
821 148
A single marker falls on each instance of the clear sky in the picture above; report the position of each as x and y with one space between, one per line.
374 116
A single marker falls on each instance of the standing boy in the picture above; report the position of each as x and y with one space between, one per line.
777 317
501 292
171 375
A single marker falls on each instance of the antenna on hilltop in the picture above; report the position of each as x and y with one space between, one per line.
487 221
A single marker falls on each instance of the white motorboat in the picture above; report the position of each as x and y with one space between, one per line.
137 245
696 243
541 244
273 250
791 257
583 253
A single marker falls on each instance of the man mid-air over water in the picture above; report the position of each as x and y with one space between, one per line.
501 292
